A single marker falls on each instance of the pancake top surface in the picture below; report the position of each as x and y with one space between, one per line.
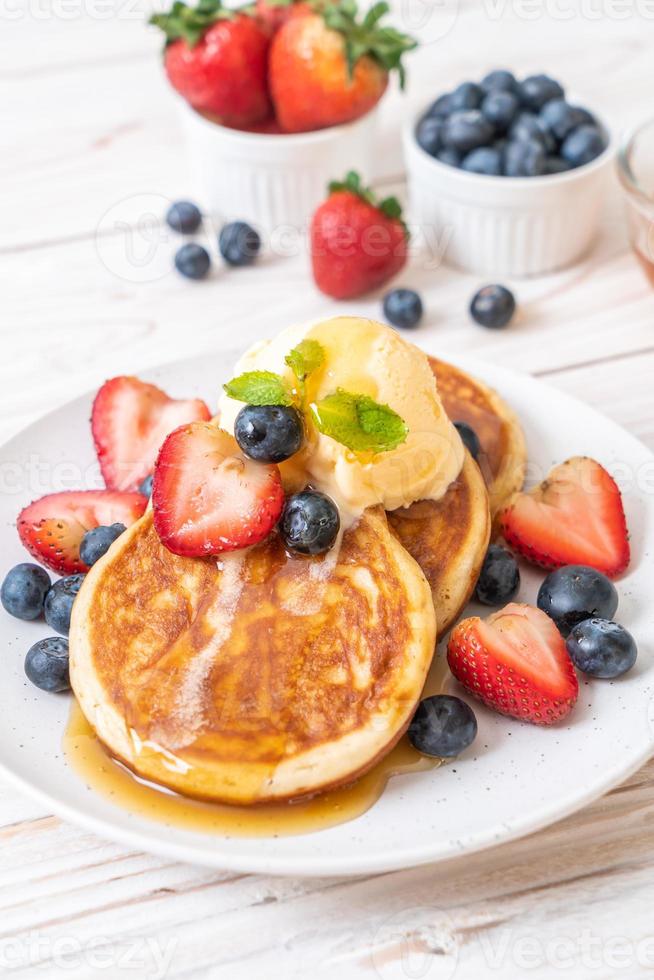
256 656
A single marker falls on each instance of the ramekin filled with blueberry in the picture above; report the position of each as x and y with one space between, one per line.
509 173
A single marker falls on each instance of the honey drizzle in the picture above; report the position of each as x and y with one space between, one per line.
90 760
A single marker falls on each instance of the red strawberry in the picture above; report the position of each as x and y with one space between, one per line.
574 517
274 13
217 60
326 68
52 528
130 420
357 244
515 662
208 497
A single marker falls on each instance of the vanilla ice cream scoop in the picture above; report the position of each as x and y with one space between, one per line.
364 357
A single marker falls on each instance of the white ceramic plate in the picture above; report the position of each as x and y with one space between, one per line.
515 779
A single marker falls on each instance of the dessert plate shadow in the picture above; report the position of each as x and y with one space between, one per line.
515 779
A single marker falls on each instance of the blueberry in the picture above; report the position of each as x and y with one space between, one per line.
499 579
469 438
429 133
24 590
192 261
524 159
183 216
536 90
500 108
441 107
492 306
561 118
449 156
59 602
467 95
500 81
556 165
46 664
574 593
442 726
239 243
309 523
146 486
403 308
269 433
583 145
97 542
601 648
528 126
484 160
464 131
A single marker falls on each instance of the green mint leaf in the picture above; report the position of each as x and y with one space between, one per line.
359 422
259 388
306 358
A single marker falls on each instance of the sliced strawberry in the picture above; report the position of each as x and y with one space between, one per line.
208 497
574 517
52 528
515 662
130 420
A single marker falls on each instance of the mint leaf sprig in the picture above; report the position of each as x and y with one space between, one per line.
358 422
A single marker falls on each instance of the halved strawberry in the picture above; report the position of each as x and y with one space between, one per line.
515 662
129 422
574 517
52 528
208 497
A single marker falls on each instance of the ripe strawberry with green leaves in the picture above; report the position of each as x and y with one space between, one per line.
328 67
217 59
357 243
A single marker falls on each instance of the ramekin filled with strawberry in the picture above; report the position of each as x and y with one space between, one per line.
277 97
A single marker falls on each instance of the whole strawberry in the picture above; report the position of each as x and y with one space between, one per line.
327 67
217 60
357 244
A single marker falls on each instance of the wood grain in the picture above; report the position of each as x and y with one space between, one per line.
94 133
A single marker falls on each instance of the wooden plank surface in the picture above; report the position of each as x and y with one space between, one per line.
92 128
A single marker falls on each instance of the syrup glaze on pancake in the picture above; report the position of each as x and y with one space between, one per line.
449 538
257 676
504 454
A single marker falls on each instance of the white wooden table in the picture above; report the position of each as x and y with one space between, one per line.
88 127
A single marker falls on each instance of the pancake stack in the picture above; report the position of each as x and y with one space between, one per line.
260 676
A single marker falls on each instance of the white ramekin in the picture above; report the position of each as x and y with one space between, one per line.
505 226
271 181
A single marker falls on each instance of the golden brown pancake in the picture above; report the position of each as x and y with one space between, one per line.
448 538
256 676
504 453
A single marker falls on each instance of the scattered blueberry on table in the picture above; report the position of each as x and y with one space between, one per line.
46 664
443 726
469 438
239 243
184 217
601 648
97 542
309 523
192 261
493 306
269 433
510 128
24 590
499 579
59 603
403 308
571 594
